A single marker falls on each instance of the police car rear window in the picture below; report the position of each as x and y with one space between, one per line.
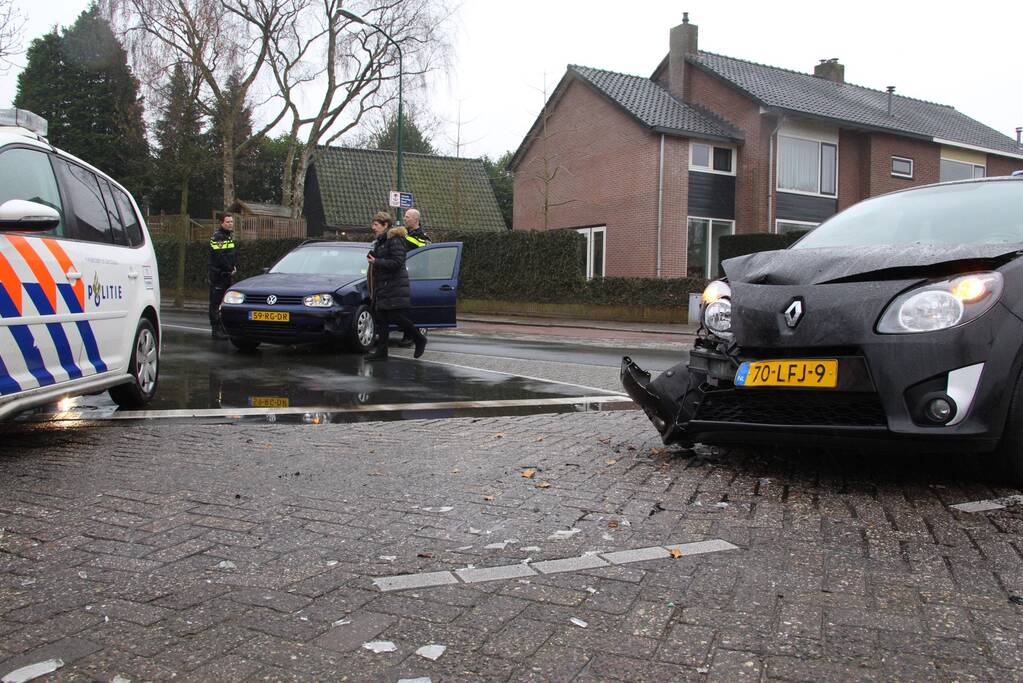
131 221
91 222
27 174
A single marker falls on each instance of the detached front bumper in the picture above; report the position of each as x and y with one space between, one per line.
664 399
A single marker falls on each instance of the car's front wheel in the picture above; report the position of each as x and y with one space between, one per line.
361 331
144 368
1010 448
246 345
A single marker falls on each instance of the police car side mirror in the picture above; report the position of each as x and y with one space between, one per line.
21 215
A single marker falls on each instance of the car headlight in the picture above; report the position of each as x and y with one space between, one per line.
943 304
717 309
233 297
319 300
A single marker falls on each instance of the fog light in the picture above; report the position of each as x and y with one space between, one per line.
939 410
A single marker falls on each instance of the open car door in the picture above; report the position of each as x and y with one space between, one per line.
433 274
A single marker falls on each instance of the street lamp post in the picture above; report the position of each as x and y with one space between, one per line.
351 16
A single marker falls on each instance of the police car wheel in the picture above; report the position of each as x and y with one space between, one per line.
362 332
143 366
244 344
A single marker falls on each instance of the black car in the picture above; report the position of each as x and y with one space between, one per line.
318 293
898 321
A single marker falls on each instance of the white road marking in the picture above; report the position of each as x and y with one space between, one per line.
512 374
504 572
185 327
987 505
370 408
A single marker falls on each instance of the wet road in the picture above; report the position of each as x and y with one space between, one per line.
463 373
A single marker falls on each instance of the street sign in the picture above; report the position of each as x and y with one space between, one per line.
402 200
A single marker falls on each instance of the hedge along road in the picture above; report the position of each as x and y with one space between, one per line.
461 374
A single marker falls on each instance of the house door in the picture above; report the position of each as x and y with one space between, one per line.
594 260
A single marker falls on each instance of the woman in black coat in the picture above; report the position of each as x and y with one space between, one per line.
389 286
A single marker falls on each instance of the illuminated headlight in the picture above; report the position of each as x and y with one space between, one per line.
943 304
233 297
319 300
717 309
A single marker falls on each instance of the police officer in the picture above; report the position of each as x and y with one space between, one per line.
223 264
415 238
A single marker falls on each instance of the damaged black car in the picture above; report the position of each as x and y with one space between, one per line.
897 322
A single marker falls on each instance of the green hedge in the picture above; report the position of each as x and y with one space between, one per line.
534 266
731 246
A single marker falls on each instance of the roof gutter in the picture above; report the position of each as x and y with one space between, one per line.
676 132
660 204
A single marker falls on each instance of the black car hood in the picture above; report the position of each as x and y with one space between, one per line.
858 264
287 283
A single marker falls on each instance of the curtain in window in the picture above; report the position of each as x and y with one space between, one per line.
798 164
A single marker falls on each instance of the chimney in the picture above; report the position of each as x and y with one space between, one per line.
891 93
682 42
1019 131
831 70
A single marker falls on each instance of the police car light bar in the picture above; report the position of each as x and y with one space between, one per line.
23 118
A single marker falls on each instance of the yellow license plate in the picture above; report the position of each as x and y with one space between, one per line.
817 373
269 401
270 316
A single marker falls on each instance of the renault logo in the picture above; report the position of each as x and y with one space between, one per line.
794 313
272 299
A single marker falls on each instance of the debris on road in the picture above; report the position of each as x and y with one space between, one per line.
488 498
226 564
579 622
675 553
341 622
27 673
563 534
446 508
528 474
379 646
422 679
543 485
388 558
431 652
530 548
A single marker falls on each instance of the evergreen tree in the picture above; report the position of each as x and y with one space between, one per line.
413 139
184 150
81 83
501 181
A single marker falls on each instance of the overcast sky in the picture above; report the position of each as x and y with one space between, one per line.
966 55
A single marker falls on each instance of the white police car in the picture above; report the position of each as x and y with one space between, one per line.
79 291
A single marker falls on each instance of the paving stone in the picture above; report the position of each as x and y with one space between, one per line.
636 555
569 564
275 600
407 581
501 573
361 628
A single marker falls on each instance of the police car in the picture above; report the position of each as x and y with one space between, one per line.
79 291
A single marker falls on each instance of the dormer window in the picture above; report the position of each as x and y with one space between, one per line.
711 158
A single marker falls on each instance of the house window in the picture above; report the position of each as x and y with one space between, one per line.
711 158
960 170
785 227
703 253
594 262
808 166
902 167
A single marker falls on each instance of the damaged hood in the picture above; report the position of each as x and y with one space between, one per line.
858 264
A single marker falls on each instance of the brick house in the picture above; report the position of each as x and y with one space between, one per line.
654 170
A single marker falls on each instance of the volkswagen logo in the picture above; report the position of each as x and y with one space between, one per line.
272 299
794 313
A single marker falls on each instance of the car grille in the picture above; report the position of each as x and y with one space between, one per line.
267 329
796 408
258 299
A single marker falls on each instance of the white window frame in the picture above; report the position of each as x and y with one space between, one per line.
707 265
912 167
809 224
964 163
588 234
710 160
820 166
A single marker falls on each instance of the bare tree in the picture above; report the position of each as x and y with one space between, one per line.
218 38
354 67
549 160
12 22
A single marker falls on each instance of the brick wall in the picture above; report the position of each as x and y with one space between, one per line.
1002 165
926 158
853 169
607 175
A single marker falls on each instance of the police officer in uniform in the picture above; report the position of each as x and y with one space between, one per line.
415 238
223 264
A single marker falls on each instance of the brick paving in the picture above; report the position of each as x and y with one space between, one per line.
248 552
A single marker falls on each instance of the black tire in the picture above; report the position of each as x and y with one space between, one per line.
1009 455
245 345
143 366
361 331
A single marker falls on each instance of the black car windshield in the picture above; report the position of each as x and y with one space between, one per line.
989 212
315 260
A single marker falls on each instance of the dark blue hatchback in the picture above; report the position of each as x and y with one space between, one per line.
318 293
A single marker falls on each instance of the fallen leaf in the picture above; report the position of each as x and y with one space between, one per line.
658 451
488 498
676 553
543 485
606 441
528 474
539 439
499 435
426 555
611 462
613 524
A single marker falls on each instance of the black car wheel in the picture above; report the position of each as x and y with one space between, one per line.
246 345
1010 448
143 366
362 330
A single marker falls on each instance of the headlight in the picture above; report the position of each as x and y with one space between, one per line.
943 304
717 309
233 297
319 300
